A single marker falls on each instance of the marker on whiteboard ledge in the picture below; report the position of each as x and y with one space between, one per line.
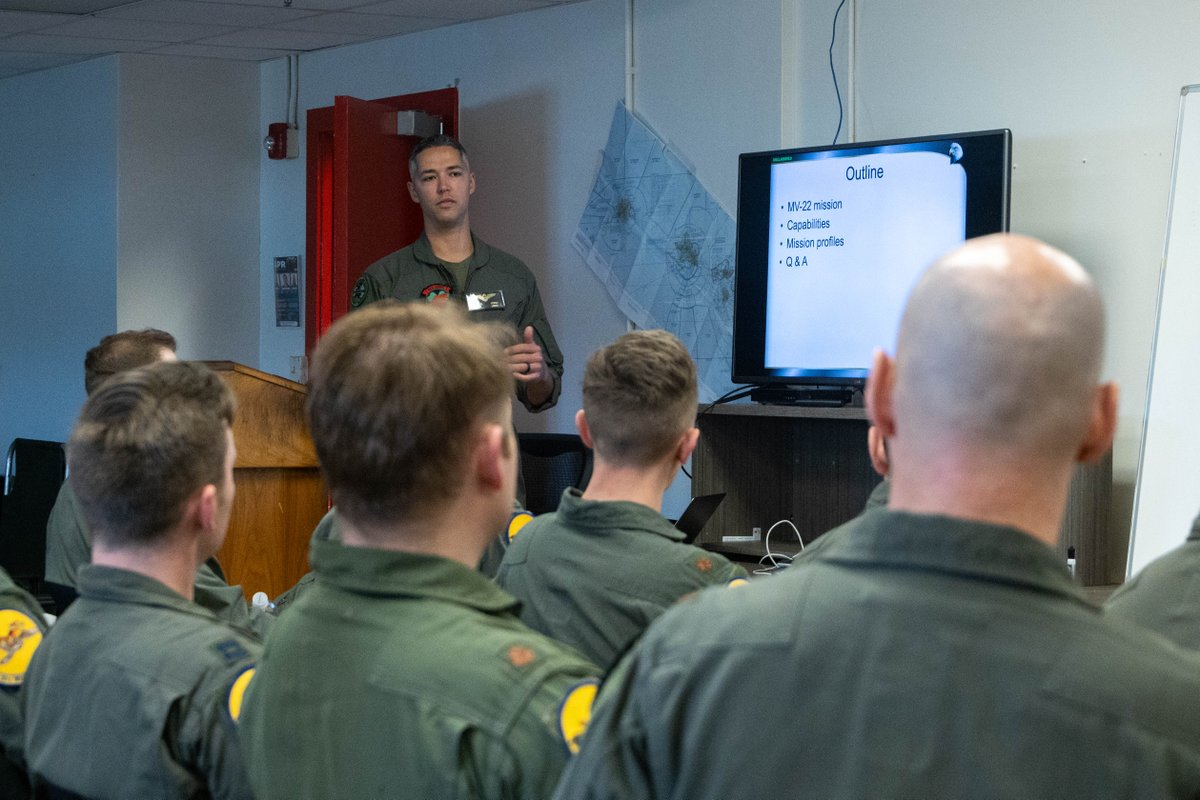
1071 560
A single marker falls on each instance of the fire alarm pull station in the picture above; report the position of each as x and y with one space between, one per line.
283 141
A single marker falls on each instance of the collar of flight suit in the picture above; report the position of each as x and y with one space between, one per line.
112 584
390 573
605 516
423 252
950 545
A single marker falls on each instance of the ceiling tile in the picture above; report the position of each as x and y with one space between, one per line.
30 61
314 5
19 21
36 43
57 6
227 53
283 40
371 25
138 30
448 9
206 13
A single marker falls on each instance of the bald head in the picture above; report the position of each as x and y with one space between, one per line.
1000 346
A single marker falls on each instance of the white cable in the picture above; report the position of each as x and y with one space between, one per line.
776 557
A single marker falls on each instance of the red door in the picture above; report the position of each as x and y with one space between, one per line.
358 204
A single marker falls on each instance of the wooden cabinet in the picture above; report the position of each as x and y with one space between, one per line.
810 465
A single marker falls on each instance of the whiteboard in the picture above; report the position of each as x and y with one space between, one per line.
1167 497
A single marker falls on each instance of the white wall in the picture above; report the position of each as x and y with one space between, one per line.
536 93
1091 95
188 236
58 242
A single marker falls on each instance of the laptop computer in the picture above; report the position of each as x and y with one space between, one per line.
697 513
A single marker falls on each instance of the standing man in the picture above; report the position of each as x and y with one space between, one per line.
402 671
137 690
598 570
937 647
449 262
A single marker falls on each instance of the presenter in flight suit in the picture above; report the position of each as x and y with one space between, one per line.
449 262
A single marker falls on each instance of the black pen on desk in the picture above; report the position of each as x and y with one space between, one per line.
1071 560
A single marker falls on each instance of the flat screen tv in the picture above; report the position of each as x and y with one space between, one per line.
831 239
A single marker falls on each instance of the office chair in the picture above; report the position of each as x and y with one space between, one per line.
550 463
33 474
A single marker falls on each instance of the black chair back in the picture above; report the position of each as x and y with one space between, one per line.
550 463
33 474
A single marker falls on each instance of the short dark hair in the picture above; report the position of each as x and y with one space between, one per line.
145 441
397 394
121 351
437 140
639 395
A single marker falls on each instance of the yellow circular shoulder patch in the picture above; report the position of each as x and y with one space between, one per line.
237 692
518 521
575 712
737 582
19 639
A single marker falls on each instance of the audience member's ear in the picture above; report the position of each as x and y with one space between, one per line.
491 451
1102 426
879 394
585 432
687 444
877 449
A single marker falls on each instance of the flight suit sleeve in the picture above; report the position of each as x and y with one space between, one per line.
211 733
535 315
557 708
366 291
612 762
68 541
22 626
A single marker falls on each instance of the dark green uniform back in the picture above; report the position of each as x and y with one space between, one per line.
405 675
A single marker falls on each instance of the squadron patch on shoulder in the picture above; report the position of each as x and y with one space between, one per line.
358 295
575 712
519 520
19 638
704 564
237 692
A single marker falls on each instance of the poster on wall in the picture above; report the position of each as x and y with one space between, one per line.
287 291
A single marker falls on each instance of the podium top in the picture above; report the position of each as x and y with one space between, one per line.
270 428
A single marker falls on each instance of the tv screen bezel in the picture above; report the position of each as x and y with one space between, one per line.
988 206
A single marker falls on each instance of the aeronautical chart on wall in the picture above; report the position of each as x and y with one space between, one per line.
663 246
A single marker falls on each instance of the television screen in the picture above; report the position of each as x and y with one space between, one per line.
831 239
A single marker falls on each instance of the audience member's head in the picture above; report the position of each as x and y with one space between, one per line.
150 447
125 350
639 398
996 369
401 397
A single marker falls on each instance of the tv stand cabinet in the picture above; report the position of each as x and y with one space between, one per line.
810 465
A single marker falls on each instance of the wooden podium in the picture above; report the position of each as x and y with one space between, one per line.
280 494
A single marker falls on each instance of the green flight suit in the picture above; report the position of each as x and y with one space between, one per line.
407 675
415 273
914 656
1165 595
595 574
69 547
134 695
22 626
